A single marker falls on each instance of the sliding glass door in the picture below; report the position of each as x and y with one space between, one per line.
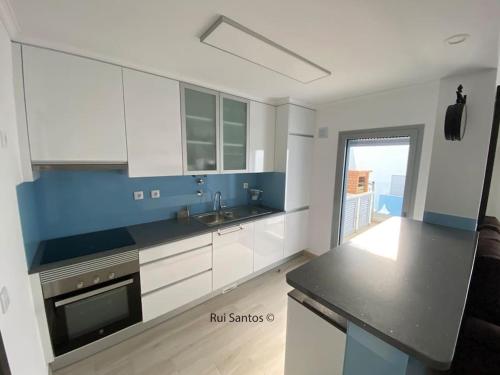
376 179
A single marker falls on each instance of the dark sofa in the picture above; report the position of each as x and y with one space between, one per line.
478 349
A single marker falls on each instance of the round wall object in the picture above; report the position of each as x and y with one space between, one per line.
455 122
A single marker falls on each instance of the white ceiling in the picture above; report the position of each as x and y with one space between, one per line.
368 45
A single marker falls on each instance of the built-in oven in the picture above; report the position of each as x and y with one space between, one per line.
87 301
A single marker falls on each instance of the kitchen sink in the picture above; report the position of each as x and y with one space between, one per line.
229 215
210 218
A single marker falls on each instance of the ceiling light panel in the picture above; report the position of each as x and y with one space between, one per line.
231 37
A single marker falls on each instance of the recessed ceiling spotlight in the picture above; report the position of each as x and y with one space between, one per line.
457 39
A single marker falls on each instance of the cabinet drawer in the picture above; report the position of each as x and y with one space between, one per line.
167 299
166 271
169 249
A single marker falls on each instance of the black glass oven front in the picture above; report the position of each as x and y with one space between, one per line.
81 317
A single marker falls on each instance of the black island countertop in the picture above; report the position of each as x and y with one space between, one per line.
64 251
404 281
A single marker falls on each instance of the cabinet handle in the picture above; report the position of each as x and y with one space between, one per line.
231 230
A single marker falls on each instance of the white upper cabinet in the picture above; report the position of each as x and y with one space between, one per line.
153 121
262 135
234 133
74 108
301 120
200 118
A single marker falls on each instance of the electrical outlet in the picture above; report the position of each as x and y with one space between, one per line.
4 300
155 194
138 195
245 185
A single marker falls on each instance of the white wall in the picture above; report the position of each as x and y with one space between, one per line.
457 170
18 325
407 106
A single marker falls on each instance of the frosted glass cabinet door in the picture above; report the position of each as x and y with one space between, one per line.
234 132
199 119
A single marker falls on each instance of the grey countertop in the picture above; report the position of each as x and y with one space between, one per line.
403 281
142 235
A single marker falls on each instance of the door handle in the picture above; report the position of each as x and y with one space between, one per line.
230 230
92 293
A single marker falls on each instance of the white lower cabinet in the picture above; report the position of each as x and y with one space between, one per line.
167 271
269 241
296 231
313 345
173 248
232 254
175 274
163 300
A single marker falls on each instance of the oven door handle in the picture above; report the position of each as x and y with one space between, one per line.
92 293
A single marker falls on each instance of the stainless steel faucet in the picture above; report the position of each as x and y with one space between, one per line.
217 199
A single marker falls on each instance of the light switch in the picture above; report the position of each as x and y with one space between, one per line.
245 185
155 194
138 195
4 300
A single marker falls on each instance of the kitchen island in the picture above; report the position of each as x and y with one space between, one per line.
402 288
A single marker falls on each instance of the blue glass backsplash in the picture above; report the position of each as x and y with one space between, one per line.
63 203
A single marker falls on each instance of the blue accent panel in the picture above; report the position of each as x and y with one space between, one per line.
450 221
28 214
393 203
63 203
368 355
73 202
273 185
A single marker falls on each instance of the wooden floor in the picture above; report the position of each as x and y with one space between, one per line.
190 344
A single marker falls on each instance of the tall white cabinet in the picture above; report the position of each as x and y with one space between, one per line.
74 108
153 122
299 172
295 128
296 231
